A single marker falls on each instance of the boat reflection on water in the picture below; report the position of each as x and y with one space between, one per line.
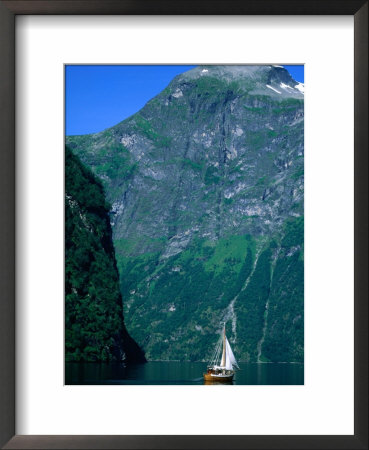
218 382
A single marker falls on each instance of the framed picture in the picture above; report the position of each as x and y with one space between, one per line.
64 339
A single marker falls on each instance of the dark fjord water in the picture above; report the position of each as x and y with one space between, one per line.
180 373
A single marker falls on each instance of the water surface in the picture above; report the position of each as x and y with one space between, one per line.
180 373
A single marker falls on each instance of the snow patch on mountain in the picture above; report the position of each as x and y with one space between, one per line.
272 88
300 87
286 87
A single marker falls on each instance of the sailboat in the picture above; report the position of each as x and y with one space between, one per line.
223 372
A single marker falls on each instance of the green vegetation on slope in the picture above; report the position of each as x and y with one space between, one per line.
174 306
107 157
284 340
251 306
94 328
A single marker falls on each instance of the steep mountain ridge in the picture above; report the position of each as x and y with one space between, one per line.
208 175
94 326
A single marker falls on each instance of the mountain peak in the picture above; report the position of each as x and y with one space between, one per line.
269 80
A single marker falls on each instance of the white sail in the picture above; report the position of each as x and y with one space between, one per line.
228 363
223 362
230 359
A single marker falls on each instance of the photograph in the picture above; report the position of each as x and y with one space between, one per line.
163 234
184 224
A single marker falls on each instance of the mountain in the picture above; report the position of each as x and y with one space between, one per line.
94 327
206 184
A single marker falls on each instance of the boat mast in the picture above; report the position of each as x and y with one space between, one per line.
223 362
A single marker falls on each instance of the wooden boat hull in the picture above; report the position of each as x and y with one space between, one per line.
210 377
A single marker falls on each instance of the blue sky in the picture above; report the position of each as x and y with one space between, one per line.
98 97
297 72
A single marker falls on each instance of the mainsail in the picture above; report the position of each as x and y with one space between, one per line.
223 362
230 359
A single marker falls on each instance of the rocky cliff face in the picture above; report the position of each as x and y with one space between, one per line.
206 186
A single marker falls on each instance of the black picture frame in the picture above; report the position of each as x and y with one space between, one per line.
8 12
